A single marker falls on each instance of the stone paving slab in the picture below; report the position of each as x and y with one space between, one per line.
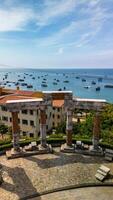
29 175
93 193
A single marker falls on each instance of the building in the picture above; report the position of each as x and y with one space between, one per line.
29 120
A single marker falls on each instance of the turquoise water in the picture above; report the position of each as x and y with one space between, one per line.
52 75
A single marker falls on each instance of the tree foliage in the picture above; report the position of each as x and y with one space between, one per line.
107 124
61 128
3 129
84 128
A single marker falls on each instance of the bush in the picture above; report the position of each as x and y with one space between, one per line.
2 142
56 135
59 141
5 146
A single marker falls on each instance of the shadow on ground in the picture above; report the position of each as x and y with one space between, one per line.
22 186
63 159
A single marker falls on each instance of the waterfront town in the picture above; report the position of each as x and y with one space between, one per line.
56 100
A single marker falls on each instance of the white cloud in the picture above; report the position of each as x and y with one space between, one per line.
94 16
60 51
54 9
14 19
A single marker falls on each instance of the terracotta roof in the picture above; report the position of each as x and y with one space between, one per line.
19 92
24 92
58 103
4 99
8 91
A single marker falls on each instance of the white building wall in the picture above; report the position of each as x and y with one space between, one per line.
28 129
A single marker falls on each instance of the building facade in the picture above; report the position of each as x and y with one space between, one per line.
29 120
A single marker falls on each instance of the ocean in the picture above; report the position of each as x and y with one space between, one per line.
77 80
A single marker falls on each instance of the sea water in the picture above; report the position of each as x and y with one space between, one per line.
62 79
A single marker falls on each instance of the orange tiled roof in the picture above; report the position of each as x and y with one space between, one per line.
19 92
58 103
4 99
24 92
8 91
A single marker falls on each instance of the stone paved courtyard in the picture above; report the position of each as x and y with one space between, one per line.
93 193
26 176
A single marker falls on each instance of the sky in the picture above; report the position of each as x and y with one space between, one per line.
56 33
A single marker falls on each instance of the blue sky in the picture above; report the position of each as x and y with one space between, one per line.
56 33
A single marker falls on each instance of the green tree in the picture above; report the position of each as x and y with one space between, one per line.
107 117
107 124
3 129
84 128
61 128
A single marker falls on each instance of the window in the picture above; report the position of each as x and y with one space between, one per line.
58 109
53 108
4 118
31 112
58 116
18 120
53 115
53 124
4 108
10 119
24 133
47 127
24 111
24 121
31 123
31 135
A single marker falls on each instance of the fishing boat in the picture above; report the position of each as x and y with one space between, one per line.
54 83
44 85
24 84
20 80
66 81
83 80
98 88
108 86
93 83
29 86
87 87
16 84
100 79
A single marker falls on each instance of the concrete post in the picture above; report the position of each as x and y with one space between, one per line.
43 147
69 128
15 131
1 179
68 146
96 131
43 127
